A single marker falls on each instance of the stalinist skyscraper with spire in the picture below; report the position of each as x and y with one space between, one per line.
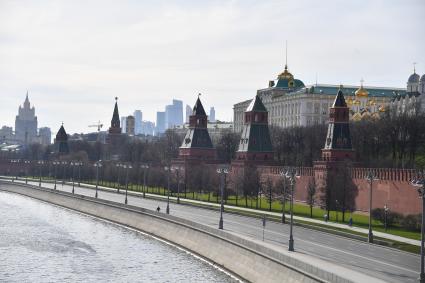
26 123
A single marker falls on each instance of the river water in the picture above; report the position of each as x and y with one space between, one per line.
40 242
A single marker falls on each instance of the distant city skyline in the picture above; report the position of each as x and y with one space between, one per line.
74 61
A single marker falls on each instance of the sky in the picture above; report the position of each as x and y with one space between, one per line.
75 57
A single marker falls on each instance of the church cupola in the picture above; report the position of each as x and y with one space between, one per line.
338 140
413 81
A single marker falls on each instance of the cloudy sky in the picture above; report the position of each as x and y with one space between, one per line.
74 57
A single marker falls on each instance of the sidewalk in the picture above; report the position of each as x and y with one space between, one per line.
254 211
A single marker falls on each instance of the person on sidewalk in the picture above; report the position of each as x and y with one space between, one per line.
158 209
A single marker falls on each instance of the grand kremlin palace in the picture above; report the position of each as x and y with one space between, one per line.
291 103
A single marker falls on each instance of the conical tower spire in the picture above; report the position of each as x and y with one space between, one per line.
115 122
198 109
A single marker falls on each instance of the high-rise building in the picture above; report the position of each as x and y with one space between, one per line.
138 118
212 115
6 134
160 123
26 123
123 124
188 113
45 135
129 125
148 128
174 114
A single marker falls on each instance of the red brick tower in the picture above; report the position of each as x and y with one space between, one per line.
255 144
197 143
338 141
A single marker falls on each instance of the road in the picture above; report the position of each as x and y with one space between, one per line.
387 264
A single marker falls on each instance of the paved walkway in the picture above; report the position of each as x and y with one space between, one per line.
263 212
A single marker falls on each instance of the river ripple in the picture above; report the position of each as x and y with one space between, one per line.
40 242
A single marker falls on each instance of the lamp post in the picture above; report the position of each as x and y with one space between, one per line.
222 171
55 164
73 164
420 183
40 166
167 168
127 167
282 174
26 162
177 169
291 175
370 177
145 168
14 161
97 164
386 209
119 165
79 173
64 163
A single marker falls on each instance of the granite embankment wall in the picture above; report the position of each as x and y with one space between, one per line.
250 260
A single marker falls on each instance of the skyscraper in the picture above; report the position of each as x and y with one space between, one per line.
212 115
138 118
123 124
188 113
160 123
45 135
26 123
174 114
129 125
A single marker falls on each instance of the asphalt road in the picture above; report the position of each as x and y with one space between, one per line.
384 263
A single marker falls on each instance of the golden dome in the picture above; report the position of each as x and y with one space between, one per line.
285 74
361 92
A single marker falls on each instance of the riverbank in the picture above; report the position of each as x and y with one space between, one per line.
233 252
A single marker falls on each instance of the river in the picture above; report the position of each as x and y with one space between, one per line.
40 242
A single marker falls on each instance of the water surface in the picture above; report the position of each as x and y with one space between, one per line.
40 242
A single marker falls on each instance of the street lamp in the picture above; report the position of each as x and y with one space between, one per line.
26 162
177 169
79 173
370 177
145 168
282 173
97 164
14 161
386 209
73 164
127 167
291 175
55 164
167 168
222 171
40 164
64 163
118 165
420 183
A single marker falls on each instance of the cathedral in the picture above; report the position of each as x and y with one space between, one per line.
413 99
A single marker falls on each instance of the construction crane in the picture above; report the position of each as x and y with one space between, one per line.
99 126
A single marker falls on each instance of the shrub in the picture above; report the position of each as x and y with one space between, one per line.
392 217
411 222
